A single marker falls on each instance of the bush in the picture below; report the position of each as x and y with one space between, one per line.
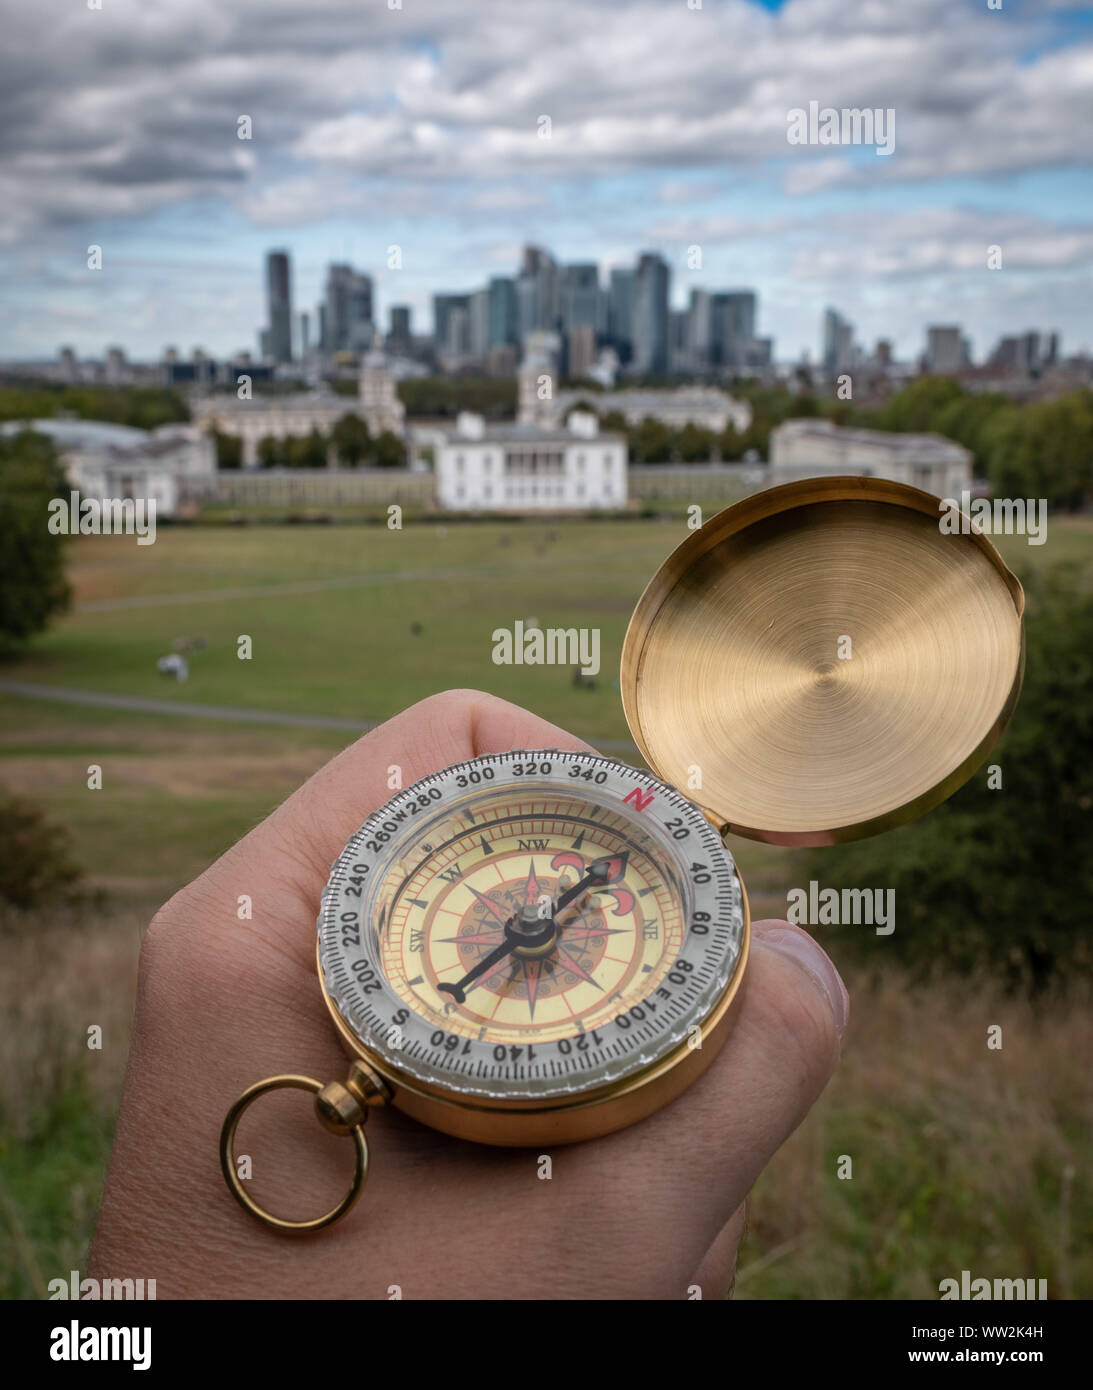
35 866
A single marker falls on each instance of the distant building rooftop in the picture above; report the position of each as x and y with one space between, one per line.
321 398
81 434
917 444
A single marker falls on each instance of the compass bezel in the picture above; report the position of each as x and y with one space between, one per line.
506 1111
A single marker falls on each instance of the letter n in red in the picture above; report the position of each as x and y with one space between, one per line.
642 800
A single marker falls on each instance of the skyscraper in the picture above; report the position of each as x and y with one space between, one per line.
651 315
946 349
580 349
451 323
620 312
502 330
838 342
699 331
401 335
580 296
279 298
536 293
478 323
349 319
732 315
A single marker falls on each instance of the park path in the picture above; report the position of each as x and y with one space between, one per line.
144 704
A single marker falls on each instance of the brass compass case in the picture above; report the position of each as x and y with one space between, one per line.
832 661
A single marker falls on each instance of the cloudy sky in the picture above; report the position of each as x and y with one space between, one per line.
418 127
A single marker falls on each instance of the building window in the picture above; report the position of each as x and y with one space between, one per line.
459 463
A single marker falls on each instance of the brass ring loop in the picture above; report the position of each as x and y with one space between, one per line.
231 1177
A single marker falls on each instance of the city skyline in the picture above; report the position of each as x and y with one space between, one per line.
721 324
422 129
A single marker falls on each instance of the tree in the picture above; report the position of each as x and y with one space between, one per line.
917 408
1044 450
389 451
730 445
143 407
229 450
652 441
769 407
695 444
308 450
351 439
969 420
492 397
997 879
271 452
33 587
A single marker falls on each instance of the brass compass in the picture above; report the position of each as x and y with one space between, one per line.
541 947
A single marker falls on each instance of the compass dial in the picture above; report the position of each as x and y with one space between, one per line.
529 925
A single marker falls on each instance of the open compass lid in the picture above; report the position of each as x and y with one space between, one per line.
821 662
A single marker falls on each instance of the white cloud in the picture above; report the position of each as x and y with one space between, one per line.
363 114
147 99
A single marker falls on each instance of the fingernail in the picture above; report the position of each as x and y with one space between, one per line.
798 946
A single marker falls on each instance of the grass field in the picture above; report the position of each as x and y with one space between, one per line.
960 1161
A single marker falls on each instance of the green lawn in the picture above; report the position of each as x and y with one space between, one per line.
393 615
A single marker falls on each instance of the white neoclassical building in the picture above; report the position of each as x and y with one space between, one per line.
286 417
525 467
812 447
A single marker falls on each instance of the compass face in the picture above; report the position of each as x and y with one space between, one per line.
529 925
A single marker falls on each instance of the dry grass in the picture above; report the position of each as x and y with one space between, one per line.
963 1157
63 972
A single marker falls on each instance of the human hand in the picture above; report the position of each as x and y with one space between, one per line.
643 1213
